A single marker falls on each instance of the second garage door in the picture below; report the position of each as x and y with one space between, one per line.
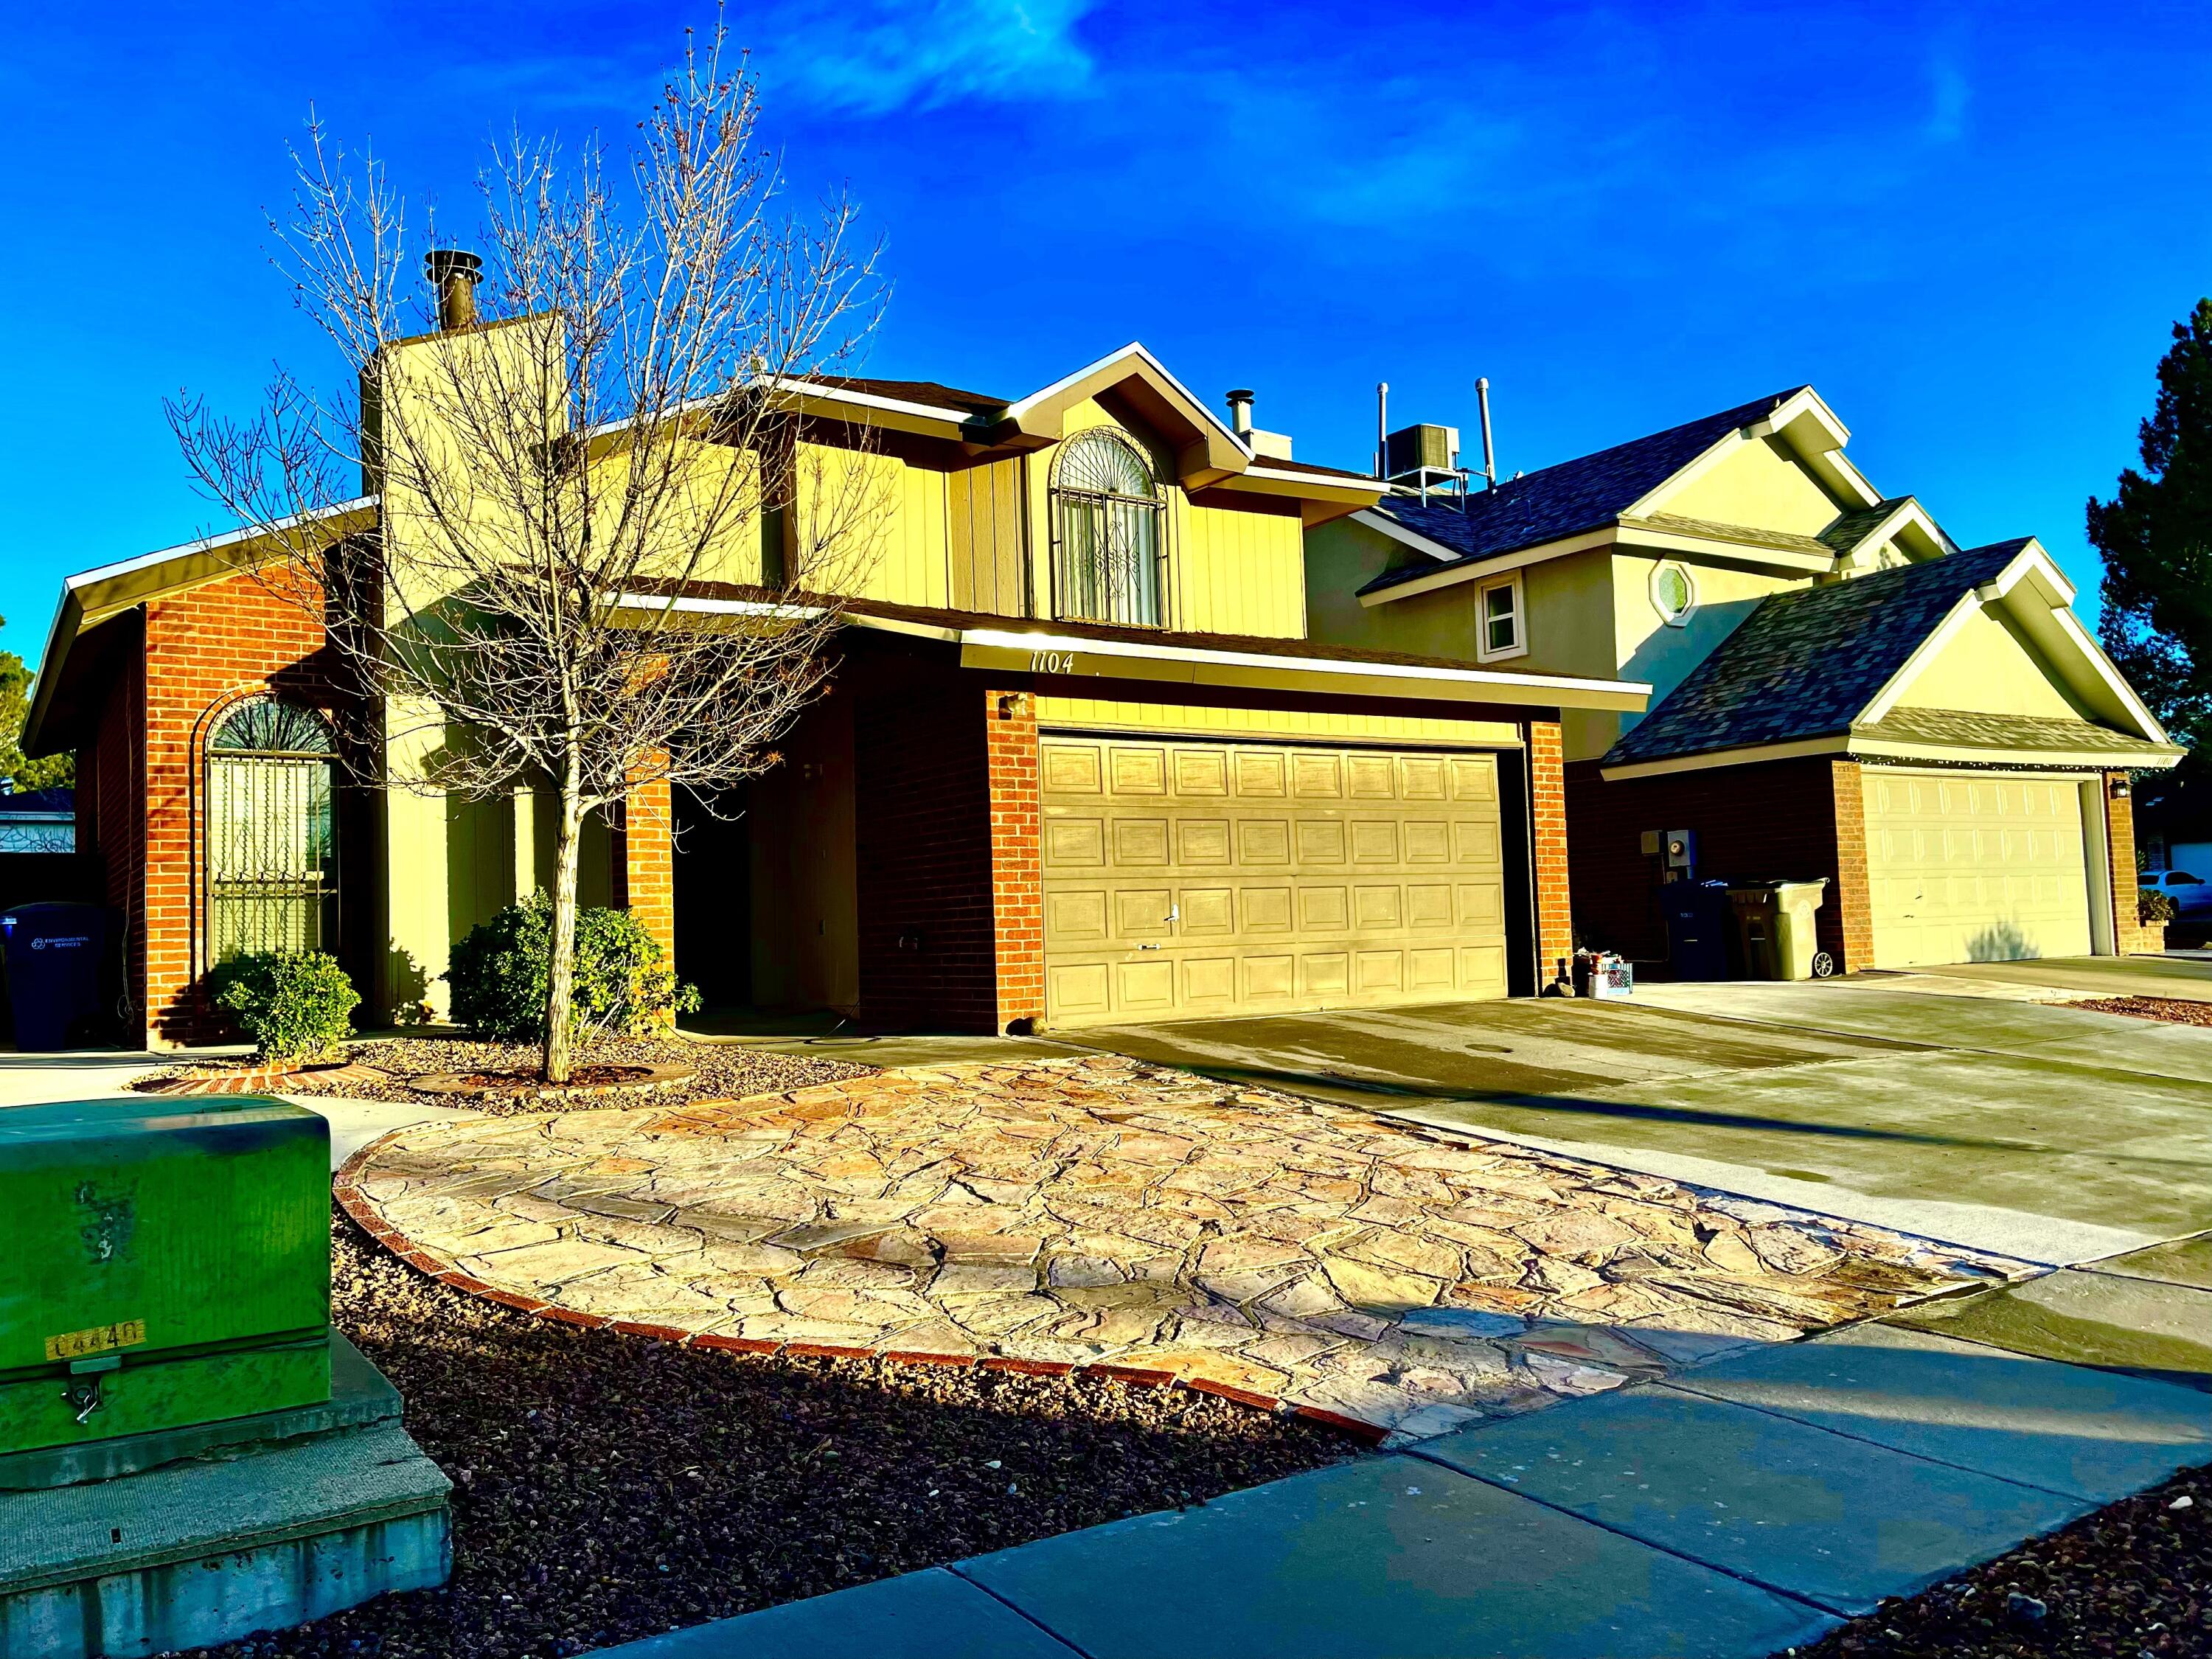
1184 878
1974 866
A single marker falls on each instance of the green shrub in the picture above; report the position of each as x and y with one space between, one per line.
2155 909
624 985
295 1005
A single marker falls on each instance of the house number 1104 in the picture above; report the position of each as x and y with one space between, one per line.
1052 662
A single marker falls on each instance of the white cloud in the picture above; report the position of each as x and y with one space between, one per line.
883 56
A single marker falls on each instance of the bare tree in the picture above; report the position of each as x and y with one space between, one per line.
564 464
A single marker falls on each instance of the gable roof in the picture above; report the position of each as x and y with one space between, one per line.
1806 662
1586 493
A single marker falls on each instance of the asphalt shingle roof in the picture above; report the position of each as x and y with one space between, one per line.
1583 494
1806 662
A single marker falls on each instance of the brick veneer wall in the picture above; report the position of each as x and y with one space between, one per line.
1555 935
922 848
644 861
2128 934
204 649
1795 818
1017 858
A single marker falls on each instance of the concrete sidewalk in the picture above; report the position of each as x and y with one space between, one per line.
31 1079
1736 1509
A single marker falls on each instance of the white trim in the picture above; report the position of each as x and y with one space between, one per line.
827 393
1007 640
2074 761
1785 413
2146 722
1676 618
1484 652
1344 481
1384 524
1134 349
1969 606
700 606
1468 569
1703 461
212 544
1769 751
1935 757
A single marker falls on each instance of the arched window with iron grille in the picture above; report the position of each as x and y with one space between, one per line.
1109 547
271 842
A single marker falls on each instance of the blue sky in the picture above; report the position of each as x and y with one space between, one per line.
1969 226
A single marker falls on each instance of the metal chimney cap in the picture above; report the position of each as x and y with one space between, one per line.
440 263
1241 395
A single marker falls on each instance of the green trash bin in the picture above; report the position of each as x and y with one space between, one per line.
1775 928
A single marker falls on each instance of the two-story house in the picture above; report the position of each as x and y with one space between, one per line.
1839 692
1081 759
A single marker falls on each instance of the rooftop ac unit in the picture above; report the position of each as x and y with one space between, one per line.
1420 448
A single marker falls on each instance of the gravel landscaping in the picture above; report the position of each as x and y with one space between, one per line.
609 1487
2178 1011
2134 1580
380 1070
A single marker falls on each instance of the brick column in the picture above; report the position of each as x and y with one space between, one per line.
1851 899
2128 935
1017 859
647 866
1548 831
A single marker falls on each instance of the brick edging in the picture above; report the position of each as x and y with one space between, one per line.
345 1188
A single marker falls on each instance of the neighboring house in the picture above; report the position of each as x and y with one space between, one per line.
1839 691
42 821
1047 787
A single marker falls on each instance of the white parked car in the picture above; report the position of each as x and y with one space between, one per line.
2191 895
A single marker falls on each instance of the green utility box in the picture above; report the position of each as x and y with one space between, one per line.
160 1266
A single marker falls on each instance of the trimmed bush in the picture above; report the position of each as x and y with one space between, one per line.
624 984
2155 909
295 1005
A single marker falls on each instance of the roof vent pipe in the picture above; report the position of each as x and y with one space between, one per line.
1489 460
454 275
1381 426
1240 412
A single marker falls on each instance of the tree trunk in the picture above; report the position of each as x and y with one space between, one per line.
560 957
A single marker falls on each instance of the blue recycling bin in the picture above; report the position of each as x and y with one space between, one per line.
1699 921
55 953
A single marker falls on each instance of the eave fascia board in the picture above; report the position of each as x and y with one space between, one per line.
1711 456
107 588
61 634
1032 652
1465 569
1218 433
1750 756
1803 407
1658 539
1966 756
1384 524
1303 482
2106 675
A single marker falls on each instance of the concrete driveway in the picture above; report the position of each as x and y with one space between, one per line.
2053 1133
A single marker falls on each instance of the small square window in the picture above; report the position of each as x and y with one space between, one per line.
1501 632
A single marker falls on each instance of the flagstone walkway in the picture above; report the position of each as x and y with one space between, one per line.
1105 1213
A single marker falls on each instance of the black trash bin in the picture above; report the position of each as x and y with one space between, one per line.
1698 924
55 954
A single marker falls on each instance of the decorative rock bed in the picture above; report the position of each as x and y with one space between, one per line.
592 1078
1139 1224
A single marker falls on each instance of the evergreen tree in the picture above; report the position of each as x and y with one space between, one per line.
2155 535
49 771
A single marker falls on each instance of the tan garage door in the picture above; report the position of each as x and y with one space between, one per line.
1183 878
1974 866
